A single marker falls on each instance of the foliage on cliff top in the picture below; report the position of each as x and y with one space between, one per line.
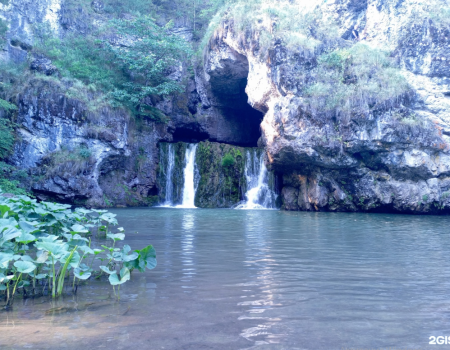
127 72
359 77
436 10
298 26
345 75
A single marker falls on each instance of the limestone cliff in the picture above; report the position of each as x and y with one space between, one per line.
356 101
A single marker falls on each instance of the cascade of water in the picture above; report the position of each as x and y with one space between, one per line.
169 176
189 172
259 195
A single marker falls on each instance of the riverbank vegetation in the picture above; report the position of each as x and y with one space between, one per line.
47 249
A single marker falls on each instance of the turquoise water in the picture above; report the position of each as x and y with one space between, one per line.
248 279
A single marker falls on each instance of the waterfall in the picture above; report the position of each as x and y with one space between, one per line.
259 195
189 174
168 201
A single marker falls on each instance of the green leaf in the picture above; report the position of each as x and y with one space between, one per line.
116 236
24 266
39 276
4 209
27 227
79 229
98 251
86 250
42 257
82 275
6 258
10 233
105 269
4 278
25 238
124 276
55 249
74 258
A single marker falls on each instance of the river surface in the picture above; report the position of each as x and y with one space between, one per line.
258 279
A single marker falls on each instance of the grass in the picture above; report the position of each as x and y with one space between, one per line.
354 78
267 21
359 77
438 11
76 161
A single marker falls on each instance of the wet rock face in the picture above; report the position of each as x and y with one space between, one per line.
43 65
393 156
96 158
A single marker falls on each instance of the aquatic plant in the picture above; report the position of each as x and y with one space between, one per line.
42 245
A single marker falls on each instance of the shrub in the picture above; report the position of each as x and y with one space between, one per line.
13 187
228 160
84 152
6 136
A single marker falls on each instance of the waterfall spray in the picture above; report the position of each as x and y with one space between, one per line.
169 176
189 174
259 195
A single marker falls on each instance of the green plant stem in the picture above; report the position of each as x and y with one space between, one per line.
15 286
54 279
7 293
62 275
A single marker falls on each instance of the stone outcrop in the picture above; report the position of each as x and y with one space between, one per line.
77 155
393 156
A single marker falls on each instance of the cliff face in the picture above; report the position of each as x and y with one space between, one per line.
385 144
352 98
82 156
78 149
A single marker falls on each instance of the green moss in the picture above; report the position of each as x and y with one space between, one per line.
3 31
222 175
228 160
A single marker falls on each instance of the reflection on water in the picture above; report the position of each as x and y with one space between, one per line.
188 251
230 279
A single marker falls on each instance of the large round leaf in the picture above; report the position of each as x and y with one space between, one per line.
24 266
105 269
6 258
124 276
116 236
82 275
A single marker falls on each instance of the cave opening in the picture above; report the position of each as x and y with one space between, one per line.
229 118
228 79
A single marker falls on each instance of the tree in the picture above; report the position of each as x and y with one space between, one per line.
152 55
